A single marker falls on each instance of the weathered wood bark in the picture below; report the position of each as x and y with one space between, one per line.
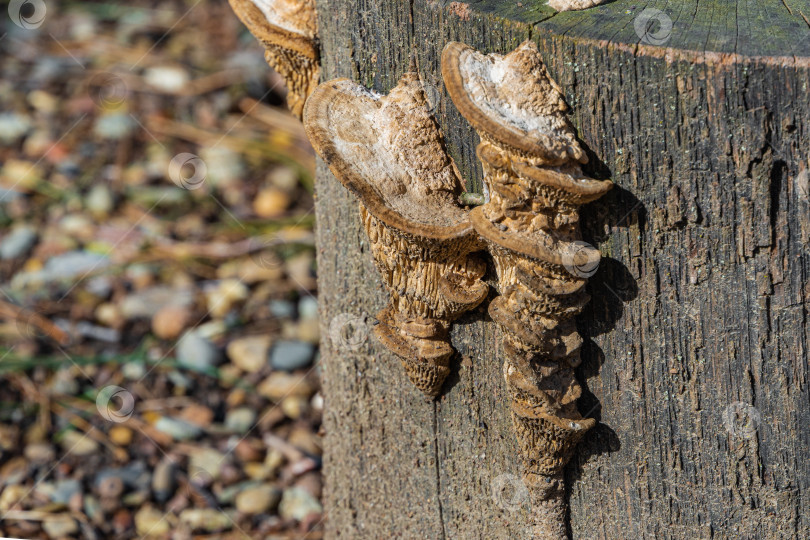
696 355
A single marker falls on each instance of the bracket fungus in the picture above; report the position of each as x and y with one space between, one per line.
288 29
531 161
388 151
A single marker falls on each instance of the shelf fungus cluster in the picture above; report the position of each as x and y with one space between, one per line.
288 29
532 171
388 151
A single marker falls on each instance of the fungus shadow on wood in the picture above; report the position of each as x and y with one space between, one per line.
610 288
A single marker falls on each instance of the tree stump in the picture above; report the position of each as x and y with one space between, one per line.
696 335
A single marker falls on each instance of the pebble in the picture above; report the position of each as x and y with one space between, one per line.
179 430
222 298
308 331
122 521
291 355
136 498
62 268
146 303
110 315
13 126
100 286
60 526
78 444
180 381
197 353
64 383
99 201
25 174
77 225
255 471
317 402
39 453
96 333
43 101
110 486
8 195
308 308
280 385
240 420
248 449
121 435
198 415
151 522
205 464
294 407
306 440
230 375
282 309
64 490
311 483
170 321
76 503
250 271
75 263
159 197
249 353
133 371
297 504
227 495
164 480
258 500
18 243
284 178
212 329
273 461
135 475
93 510
205 519
14 471
114 126
270 203
230 474
168 78
38 143
12 495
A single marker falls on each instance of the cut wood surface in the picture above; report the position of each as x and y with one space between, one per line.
695 363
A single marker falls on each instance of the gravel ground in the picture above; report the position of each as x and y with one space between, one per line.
158 315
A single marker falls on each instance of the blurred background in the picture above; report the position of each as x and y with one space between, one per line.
158 318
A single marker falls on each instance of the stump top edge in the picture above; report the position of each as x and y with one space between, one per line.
715 31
